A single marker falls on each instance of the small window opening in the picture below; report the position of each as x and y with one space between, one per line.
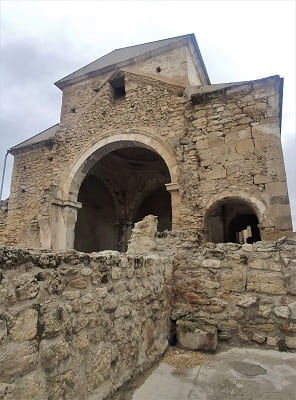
73 109
158 70
118 86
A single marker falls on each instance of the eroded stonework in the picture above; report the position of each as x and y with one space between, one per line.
133 136
78 326
174 192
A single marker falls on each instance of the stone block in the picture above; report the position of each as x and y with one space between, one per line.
266 129
66 385
282 312
30 387
216 173
195 336
272 340
247 300
211 263
266 282
97 367
244 146
290 342
79 283
260 179
26 286
234 279
292 307
25 327
17 361
53 352
54 319
277 188
258 338
268 264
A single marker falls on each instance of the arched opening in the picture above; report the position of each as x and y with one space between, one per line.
157 202
111 192
232 220
95 220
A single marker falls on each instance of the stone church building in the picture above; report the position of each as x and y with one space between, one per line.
143 131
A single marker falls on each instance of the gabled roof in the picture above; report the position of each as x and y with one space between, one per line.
124 56
43 136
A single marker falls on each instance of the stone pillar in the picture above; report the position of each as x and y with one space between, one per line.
173 189
64 217
123 232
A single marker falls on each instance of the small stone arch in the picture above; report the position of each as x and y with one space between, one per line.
234 217
88 157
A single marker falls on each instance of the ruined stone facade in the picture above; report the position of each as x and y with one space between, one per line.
144 132
77 326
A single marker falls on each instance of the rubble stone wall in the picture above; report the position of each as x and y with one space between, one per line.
3 218
247 291
77 326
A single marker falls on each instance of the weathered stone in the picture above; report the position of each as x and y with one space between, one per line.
78 283
247 301
25 327
264 311
30 387
101 292
54 319
234 279
26 286
3 331
67 385
282 312
258 338
71 295
97 368
266 282
290 342
272 340
211 263
194 336
53 352
17 361
82 341
292 307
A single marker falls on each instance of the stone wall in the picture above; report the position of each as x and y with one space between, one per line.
226 144
77 326
248 292
3 219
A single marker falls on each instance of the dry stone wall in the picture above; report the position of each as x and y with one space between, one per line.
77 326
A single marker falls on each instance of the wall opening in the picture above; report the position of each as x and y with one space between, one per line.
117 83
95 220
157 202
232 220
121 188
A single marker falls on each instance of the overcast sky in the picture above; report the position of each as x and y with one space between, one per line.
42 41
